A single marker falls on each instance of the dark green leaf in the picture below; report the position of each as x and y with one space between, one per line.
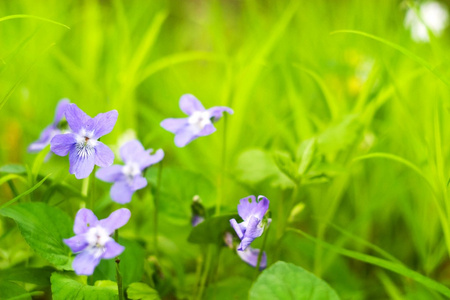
211 230
11 290
287 281
37 276
141 291
68 286
44 227
131 264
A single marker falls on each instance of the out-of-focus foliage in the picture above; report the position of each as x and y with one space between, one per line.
345 134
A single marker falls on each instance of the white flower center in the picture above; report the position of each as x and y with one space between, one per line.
199 119
97 237
85 144
130 170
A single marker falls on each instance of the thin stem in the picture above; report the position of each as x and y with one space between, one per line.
85 187
118 275
92 189
13 188
263 246
155 208
205 272
222 167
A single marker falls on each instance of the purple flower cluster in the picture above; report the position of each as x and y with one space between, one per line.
199 123
252 212
82 144
93 240
128 178
81 141
51 130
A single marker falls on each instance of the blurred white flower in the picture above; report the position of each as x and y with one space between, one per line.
432 15
126 136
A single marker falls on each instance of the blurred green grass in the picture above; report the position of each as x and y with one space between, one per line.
288 80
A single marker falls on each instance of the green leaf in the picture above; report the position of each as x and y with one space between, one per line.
10 290
44 227
308 156
37 276
287 281
286 165
211 230
131 264
255 166
32 17
139 290
178 188
13 169
3 206
388 265
9 177
68 286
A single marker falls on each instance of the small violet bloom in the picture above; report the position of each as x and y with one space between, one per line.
82 143
252 212
250 256
199 123
51 130
128 178
93 240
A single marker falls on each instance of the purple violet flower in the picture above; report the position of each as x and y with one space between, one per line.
51 130
250 256
128 178
199 123
82 143
93 240
252 212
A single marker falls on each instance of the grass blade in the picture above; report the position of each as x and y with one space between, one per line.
11 17
25 193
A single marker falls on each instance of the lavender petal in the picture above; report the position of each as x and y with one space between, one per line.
173 125
112 249
121 192
104 157
262 207
138 183
76 243
44 139
207 130
189 103
250 256
81 166
216 112
246 206
102 123
252 232
61 144
75 117
115 220
237 228
148 160
84 220
110 174
131 150
183 137
60 110
85 263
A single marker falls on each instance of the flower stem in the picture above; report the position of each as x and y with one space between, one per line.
155 208
222 167
13 188
118 275
205 272
263 246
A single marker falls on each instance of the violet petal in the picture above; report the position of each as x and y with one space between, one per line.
173 125
76 243
84 220
189 103
110 174
104 157
85 263
61 144
116 220
76 117
121 192
112 249
102 124
81 166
